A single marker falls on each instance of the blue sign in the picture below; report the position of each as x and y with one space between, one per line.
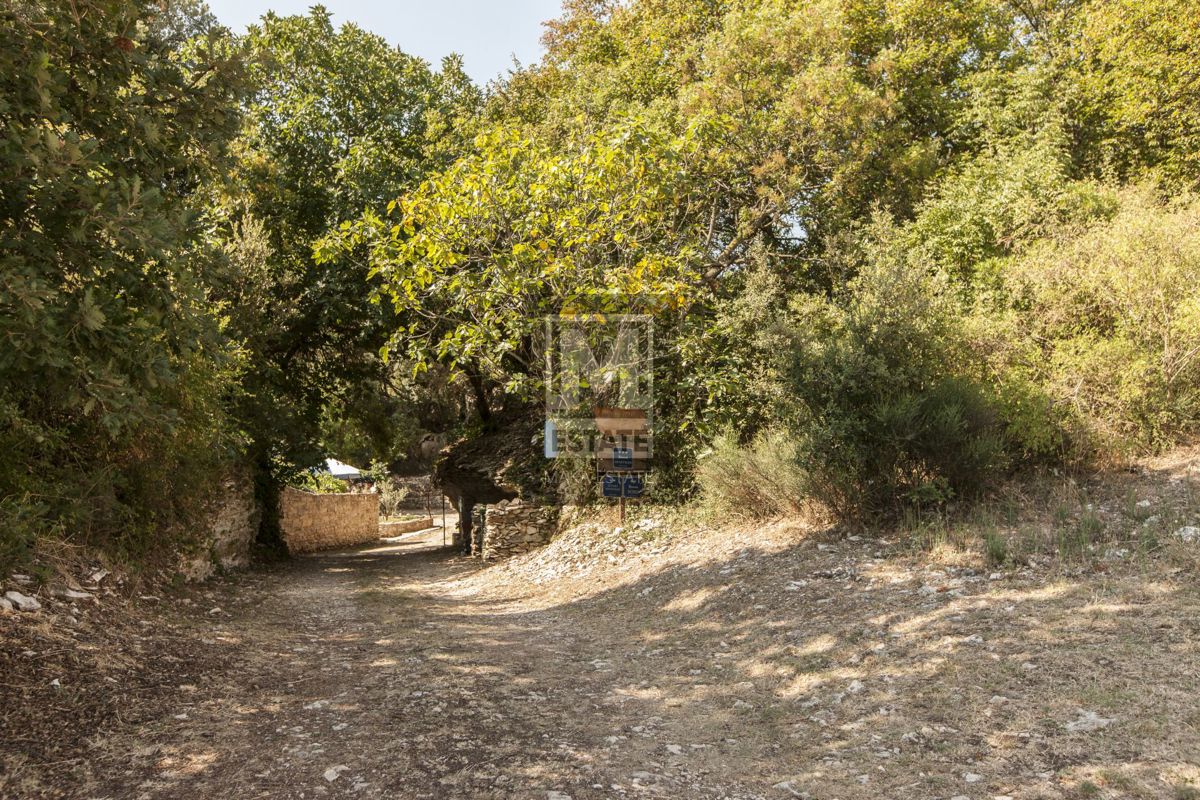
622 485
622 458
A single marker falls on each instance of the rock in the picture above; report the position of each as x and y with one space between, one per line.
23 602
24 580
674 749
5 604
972 777
1088 721
71 594
333 773
553 795
855 687
1188 533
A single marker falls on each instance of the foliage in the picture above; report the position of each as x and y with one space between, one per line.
320 483
1115 311
391 497
339 121
888 408
113 362
1141 65
474 259
742 151
762 479
392 492
891 249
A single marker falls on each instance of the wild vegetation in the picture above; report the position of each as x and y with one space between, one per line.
894 251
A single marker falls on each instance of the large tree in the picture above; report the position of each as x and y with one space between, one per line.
114 114
339 123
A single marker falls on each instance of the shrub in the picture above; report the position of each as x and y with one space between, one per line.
888 406
321 483
762 479
391 497
995 547
1110 320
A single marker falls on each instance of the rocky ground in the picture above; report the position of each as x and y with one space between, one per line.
661 660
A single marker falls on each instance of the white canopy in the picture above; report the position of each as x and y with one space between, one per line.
339 470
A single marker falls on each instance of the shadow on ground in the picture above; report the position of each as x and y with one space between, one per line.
767 671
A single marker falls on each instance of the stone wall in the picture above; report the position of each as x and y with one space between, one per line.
516 526
478 515
311 522
387 529
228 531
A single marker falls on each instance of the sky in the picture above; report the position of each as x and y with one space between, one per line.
486 34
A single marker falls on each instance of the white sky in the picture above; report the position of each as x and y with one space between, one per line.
487 34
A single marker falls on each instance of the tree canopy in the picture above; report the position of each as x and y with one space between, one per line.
903 246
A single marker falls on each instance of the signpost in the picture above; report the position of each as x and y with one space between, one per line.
623 449
630 485
603 363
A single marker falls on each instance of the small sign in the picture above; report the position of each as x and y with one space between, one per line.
605 465
622 458
630 486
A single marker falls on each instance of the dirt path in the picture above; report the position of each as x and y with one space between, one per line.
359 674
375 673
733 664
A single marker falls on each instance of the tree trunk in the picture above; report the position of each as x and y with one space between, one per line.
480 393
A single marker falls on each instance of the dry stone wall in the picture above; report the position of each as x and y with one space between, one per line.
516 526
227 532
311 522
407 526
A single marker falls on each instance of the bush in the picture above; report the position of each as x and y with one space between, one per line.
888 405
321 483
114 363
1110 323
392 495
763 479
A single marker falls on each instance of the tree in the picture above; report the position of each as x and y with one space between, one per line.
340 122
473 259
111 357
1141 70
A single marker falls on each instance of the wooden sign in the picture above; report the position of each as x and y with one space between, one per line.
618 421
